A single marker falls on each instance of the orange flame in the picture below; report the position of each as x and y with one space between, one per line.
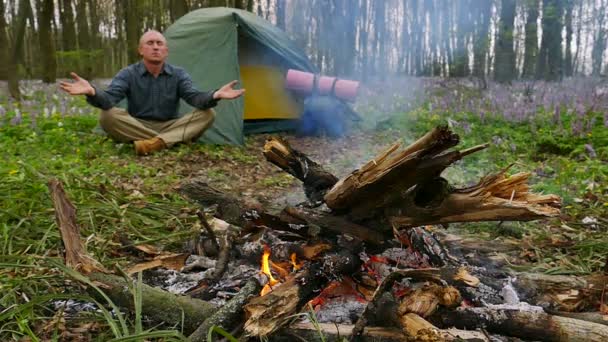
266 270
266 266
294 262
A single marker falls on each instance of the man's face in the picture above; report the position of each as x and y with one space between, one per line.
153 47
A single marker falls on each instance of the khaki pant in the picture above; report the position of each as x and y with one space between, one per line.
125 128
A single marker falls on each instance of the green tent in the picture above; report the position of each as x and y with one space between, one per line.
215 45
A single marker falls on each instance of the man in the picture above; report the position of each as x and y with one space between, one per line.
153 89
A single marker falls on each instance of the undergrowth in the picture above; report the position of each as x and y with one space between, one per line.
119 195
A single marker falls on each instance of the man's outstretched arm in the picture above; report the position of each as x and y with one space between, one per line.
98 98
204 100
80 86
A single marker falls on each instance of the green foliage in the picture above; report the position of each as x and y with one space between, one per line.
82 62
109 189
560 163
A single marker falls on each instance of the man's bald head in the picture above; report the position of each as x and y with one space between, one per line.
151 34
153 47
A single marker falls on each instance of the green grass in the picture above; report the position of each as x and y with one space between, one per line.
113 191
117 193
560 246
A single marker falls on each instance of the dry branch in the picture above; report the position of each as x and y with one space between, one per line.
65 214
496 198
315 179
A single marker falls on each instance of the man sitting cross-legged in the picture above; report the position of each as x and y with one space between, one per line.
153 89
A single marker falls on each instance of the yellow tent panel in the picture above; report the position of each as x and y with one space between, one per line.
266 96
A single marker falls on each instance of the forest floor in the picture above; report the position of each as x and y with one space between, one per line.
118 193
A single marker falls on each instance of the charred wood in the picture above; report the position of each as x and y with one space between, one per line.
229 208
336 225
268 313
316 180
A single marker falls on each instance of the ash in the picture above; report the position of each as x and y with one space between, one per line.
173 281
342 310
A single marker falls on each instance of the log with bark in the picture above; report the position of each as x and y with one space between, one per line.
524 321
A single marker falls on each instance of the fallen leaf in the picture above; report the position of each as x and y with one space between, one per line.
171 261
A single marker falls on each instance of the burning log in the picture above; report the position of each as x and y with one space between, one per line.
268 313
384 287
524 322
157 305
316 180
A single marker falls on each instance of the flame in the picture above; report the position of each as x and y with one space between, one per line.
266 267
266 270
294 262
265 290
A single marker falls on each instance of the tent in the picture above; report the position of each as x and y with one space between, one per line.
217 45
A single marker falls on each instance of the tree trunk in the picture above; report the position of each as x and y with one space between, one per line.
47 41
177 9
599 40
482 39
531 40
549 65
17 54
84 39
133 28
280 14
504 65
5 56
460 67
568 64
68 26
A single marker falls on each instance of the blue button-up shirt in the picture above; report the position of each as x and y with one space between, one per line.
151 98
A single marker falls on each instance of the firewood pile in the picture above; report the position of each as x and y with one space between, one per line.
363 257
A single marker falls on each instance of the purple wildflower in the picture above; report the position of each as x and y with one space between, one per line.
16 120
590 151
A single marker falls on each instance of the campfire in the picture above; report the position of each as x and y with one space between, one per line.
366 257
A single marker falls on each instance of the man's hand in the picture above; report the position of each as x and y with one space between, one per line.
80 86
227 92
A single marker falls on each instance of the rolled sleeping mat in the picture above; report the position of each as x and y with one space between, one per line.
304 82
